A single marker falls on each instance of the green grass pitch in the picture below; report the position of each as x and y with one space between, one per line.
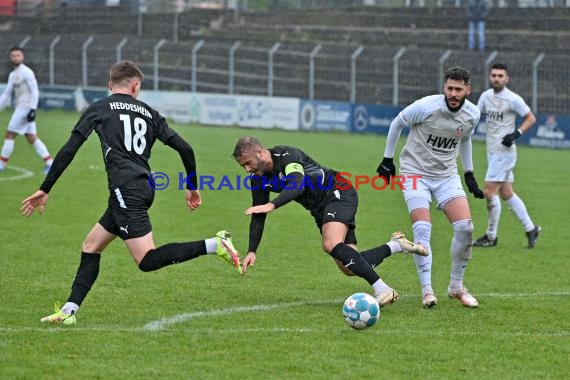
201 320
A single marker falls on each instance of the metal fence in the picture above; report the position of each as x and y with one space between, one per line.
391 75
52 7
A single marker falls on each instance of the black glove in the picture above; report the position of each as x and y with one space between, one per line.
31 116
386 168
509 139
472 185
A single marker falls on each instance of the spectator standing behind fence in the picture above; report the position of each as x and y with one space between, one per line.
477 11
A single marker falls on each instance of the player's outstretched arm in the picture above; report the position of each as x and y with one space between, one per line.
261 209
36 200
193 199
248 261
188 159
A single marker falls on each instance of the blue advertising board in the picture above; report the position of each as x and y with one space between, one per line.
369 118
69 98
549 131
325 116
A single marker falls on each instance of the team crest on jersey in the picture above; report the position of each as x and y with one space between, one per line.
459 130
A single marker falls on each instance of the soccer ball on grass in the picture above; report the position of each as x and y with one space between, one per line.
361 311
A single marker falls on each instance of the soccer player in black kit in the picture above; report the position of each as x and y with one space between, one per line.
332 203
127 129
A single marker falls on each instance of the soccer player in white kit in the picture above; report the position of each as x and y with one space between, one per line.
440 127
501 107
22 83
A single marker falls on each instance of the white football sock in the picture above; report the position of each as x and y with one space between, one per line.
460 251
494 214
519 209
70 308
42 151
7 149
211 245
380 286
427 289
394 246
422 235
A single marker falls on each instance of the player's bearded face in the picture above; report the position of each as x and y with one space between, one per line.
498 79
260 166
16 57
253 163
456 91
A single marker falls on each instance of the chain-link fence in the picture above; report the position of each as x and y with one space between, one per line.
298 56
53 7
390 75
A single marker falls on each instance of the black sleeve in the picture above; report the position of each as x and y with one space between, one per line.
62 160
188 159
257 223
293 188
163 131
87 121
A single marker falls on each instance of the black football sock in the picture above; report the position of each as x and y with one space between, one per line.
353 261
172 253
375 256
85 277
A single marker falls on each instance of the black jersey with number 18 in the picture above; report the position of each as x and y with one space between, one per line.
127 129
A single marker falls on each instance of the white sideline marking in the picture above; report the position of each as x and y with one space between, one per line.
180 318
163 323
24 173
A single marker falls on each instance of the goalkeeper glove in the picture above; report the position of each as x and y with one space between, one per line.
386 168
31 116
509 139
473 186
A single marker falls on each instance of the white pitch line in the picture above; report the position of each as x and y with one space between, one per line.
24 173
162 324
180 318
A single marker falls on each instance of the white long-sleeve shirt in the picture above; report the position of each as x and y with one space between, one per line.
501 109
23 84
436 137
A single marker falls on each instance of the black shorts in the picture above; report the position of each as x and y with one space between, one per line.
127 211
339 206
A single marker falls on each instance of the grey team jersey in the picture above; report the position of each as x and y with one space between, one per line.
501 110
435 134
22 82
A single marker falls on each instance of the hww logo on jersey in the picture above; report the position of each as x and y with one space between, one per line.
442 142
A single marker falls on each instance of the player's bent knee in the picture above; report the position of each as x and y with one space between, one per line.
465 225
90 246
328 246
506 194
463 233
149 262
